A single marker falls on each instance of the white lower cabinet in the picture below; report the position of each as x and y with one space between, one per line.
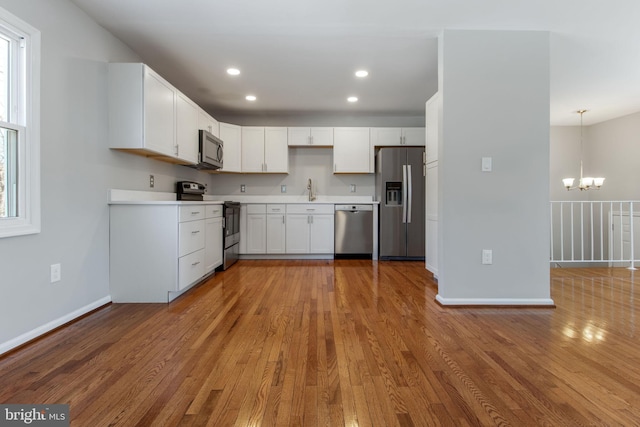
157 251
213 238
190 268
276 229
309 229
256 231
297 234
265 229
321 234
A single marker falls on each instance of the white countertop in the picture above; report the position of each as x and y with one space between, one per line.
131 197
284 199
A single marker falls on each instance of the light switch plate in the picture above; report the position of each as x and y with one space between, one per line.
243 188
487 165
283 188
352 188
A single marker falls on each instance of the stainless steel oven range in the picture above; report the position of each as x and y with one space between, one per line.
231 233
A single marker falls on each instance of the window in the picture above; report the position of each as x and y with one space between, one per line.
19 127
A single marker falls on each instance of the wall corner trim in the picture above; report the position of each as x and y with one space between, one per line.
41 330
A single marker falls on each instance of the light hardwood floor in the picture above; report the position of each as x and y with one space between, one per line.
348 342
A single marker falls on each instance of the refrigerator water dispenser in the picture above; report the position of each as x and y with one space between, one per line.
394 193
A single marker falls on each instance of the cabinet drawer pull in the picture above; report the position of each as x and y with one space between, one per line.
310 209
276 210
195 263
195 213
195 232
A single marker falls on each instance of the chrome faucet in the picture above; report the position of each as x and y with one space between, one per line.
312 197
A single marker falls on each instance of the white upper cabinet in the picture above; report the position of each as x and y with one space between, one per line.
276 150
143 109
232 147
265 150
187 128
252 149
208 123
310 137
352 151
397 136
158 110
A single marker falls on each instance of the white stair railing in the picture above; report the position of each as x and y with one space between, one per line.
602 232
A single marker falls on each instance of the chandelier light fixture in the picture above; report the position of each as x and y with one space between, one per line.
586 183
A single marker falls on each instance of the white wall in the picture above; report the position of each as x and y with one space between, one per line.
564 161
77 170
495 91
613 151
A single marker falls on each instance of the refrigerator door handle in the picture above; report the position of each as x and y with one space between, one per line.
404 194
410 195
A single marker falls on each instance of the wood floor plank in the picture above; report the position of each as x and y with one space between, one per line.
342 343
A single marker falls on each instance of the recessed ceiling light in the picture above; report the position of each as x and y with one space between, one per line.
233 71
250 98
352 99
362 73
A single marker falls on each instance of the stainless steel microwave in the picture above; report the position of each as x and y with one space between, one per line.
211 151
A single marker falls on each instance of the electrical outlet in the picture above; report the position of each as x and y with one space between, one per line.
352 188
487 256
152 181
243 188
283 188
56 273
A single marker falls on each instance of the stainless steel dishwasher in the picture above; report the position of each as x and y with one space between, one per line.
353 231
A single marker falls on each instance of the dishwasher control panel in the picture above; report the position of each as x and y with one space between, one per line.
354 207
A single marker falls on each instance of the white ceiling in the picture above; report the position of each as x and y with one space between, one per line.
298 56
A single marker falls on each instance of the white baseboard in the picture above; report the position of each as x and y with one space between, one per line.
515 302
41 330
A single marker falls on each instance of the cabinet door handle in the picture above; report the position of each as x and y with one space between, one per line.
311 217
283 219
195 263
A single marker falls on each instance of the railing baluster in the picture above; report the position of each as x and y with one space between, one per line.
582 231
633 258
551 229
601 234
621 235
573 243
561 231
592 230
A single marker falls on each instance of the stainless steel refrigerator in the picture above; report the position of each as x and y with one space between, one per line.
400 190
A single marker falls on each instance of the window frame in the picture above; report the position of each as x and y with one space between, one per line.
24 117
